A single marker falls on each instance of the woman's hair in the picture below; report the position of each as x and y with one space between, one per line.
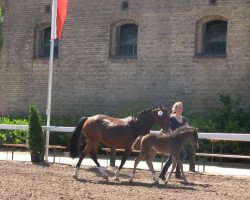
177 104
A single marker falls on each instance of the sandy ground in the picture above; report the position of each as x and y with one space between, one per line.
24 180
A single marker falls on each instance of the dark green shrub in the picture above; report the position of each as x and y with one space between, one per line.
36 140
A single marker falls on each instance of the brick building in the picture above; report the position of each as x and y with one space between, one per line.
113 52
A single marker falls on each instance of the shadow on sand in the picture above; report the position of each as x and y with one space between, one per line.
185 186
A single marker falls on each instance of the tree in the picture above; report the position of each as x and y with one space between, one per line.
36 140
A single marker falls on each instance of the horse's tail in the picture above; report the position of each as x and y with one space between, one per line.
137 143
74 144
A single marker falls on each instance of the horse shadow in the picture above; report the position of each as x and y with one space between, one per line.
184 186
110 171
138 184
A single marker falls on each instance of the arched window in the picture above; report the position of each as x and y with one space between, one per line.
211 36
215 36
127 42
42 42
123 39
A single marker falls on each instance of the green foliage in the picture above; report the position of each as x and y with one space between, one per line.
229 118
36 139
203 124
66 120
15 136
70 120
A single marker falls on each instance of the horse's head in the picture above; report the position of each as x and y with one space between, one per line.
161 117
194 138
187 132
144 120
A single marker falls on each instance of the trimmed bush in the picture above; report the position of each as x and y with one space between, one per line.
36 140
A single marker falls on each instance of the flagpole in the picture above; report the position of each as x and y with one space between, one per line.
48 111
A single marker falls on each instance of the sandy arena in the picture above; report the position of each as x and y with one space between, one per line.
24 180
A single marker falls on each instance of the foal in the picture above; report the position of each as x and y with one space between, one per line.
165 144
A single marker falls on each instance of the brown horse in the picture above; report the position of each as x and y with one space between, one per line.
114 133
169 143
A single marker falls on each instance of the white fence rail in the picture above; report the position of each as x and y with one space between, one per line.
45 128
221 136
210 136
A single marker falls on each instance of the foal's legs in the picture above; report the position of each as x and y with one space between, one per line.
149 159
137 160
179 163
124 158
176 160
173 167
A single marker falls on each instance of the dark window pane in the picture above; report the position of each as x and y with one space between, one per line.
127 44
45 43
124 5
47 9
215 37
212 1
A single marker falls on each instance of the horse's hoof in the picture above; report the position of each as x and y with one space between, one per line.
165 183
116 179
74 176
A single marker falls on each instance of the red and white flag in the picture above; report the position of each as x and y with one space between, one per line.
58 17
59 14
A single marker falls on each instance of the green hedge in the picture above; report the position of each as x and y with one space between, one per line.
231 117
16 136
61 138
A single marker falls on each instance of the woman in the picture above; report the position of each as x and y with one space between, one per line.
176 120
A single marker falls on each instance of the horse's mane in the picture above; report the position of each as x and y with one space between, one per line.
139 124
143 120
143 113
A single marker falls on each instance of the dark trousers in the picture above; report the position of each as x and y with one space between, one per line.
183 155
